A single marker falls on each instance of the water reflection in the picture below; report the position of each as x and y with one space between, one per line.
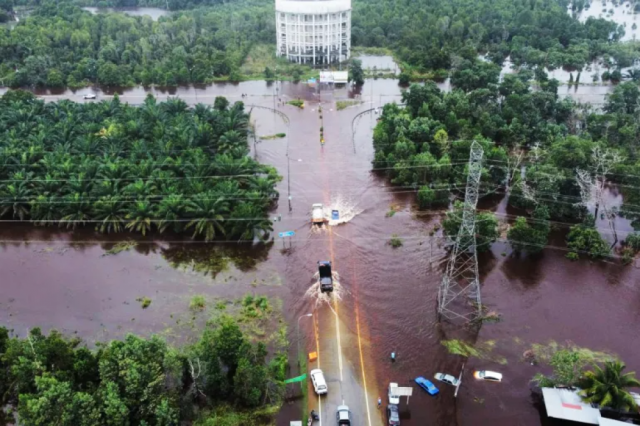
152 12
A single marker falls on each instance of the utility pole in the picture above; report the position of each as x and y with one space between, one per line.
461 281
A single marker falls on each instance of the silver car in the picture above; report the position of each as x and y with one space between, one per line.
344 416
447 378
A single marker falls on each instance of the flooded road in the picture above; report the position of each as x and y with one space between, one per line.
70 282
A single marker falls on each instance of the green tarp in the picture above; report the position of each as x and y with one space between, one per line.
297 379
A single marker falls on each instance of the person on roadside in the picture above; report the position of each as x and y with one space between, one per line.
379 402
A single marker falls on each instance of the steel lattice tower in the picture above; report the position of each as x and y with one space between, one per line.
459 293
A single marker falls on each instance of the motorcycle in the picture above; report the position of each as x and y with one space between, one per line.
313 416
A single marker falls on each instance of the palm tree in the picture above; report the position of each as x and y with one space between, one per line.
15 199
140 216
170 210
607 386
45 210
249 221
76 211
206 211
633 74
110 210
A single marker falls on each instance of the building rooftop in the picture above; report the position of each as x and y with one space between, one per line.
566 404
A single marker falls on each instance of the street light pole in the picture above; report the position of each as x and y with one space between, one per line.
298 334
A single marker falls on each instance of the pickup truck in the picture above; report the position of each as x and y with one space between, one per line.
326 277
317 214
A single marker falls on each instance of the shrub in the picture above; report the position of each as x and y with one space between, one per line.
633 241
395 241
144 302
198 303
296 102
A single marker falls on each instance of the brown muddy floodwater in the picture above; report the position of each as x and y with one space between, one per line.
54 279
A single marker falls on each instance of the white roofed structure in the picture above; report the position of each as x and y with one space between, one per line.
566 404
314 32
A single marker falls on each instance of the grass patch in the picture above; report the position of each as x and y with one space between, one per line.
395 241
373 51
276 136
544 352
255 306
224 415
198 303
263 56
297 103
480 350
340 105
120 247
144 302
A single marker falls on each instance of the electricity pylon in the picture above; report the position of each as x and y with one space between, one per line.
459 293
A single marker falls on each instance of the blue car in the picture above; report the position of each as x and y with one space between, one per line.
427 385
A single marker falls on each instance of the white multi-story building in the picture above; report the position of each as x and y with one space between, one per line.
313 31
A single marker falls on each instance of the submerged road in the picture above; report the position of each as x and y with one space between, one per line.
338 343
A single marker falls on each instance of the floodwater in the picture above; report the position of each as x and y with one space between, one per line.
54 279
621 13
152 12
382 63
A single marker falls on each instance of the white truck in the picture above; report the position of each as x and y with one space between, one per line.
317 214
394 398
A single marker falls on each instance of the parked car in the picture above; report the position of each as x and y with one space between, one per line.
491 376
326 277
447 378
393 414
89 96
317 214
343 415
319 384
427 386
393 398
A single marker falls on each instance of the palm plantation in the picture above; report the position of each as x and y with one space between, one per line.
160 167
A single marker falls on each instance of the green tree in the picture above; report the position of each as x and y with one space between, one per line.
110 75
55 78
356 74
608 386
586 239
530 238
568 367
56 403
486 226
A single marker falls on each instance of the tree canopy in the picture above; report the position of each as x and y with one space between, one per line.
52 380
59 44
433 35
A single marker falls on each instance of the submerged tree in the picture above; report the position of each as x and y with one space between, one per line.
356 74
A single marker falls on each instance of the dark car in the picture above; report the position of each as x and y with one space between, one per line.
326 279
393 414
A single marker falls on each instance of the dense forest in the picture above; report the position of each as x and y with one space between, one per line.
112 166
570 154
53 380
434 35
61 45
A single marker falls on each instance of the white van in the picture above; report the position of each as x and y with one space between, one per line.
319 384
